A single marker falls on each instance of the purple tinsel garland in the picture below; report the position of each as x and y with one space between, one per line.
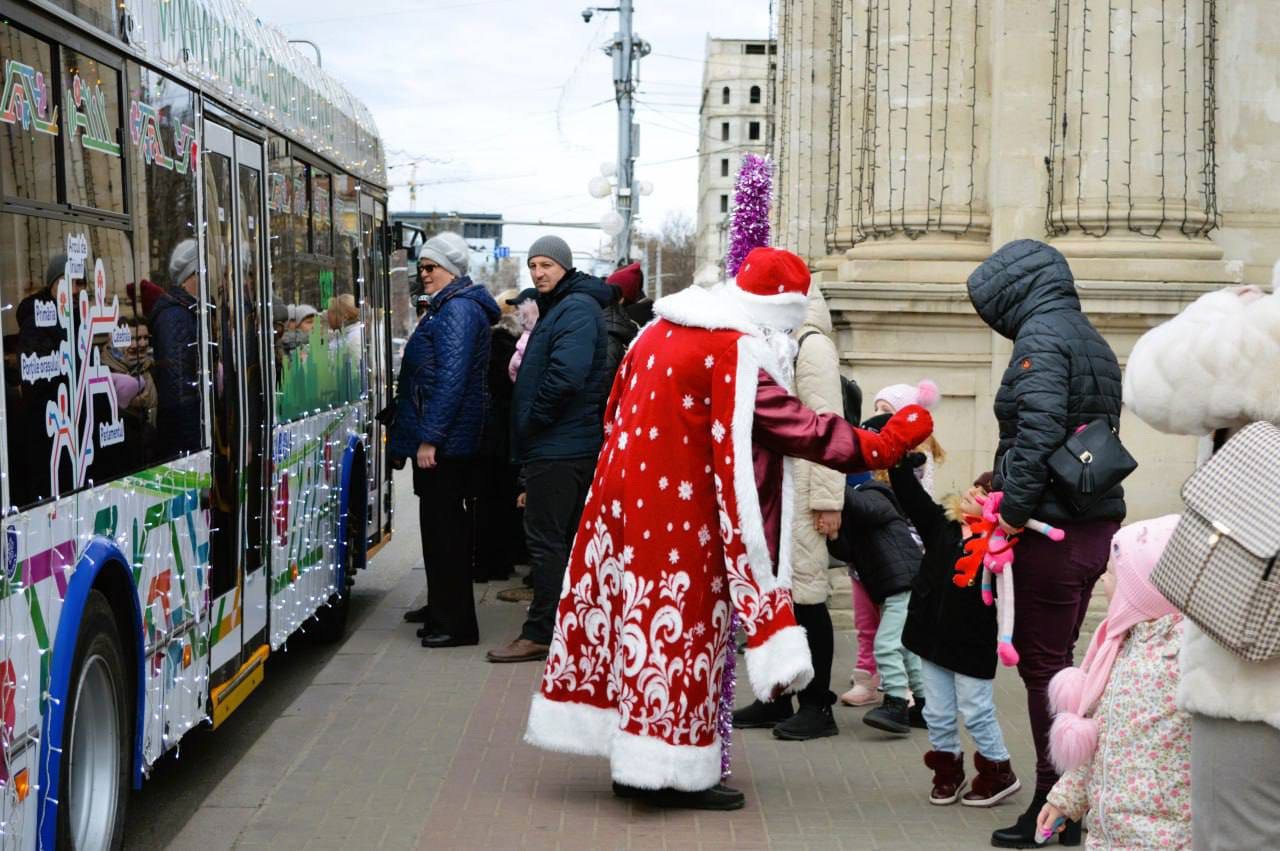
751 196
728 681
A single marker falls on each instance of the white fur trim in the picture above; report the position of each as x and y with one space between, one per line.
725 307
570 727
783 312
649 763
640 761
753 355
1217 683
783 660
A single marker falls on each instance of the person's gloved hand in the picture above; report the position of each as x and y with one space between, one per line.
904 431
915 460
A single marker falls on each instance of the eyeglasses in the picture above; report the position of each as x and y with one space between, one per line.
429 268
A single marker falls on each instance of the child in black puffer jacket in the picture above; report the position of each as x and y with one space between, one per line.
876 541
954 633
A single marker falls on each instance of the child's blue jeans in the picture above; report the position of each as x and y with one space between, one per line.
948 696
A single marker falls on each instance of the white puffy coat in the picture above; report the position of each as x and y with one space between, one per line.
816 488
1214 366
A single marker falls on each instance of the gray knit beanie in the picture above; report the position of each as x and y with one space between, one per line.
448 250
555 248
184 261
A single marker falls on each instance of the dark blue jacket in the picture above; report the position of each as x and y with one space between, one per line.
177 365
442 393
563 383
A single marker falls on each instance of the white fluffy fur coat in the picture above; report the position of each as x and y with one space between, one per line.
1214 366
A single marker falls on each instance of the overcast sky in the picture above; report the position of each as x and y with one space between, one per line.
507 105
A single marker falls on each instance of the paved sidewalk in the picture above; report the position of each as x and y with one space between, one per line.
394 746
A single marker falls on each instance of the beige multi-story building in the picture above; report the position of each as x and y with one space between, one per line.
734 120
913 140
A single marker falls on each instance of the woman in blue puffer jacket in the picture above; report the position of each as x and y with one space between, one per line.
440 414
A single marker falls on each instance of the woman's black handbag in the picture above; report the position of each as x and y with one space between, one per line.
1089 465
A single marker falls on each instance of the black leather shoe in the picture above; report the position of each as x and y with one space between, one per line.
440 639
916 715
891 716
1022 833
418 615
761 715
810 722
719 797
621 790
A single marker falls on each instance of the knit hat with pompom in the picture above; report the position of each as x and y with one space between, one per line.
898 396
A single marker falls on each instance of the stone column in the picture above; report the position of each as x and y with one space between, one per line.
806 140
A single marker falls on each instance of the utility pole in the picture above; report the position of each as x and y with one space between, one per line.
626 50
658 274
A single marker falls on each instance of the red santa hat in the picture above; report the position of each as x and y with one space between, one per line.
773 288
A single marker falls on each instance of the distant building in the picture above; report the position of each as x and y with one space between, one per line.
482 231
734 119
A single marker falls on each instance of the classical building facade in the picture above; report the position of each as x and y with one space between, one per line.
734 120
914 139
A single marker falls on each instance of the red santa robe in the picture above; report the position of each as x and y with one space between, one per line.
673 534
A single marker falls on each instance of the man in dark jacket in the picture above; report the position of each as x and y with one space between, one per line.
557 427
440 416
1062 375
177 357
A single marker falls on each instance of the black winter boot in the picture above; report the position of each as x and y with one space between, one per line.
1022 833
917 715
810 722
763 715
892 716
718 798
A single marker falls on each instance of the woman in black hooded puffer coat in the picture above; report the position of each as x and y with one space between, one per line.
1062 375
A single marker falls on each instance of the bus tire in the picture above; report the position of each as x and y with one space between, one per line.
96 735
331 620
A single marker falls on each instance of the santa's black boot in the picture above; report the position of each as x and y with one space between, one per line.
719 797
762 715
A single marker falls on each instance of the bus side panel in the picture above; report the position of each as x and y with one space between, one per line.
306 485
156 520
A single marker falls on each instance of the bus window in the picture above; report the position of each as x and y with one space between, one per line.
301 208
28 164
88 418
321 218
96 13
280 213
91 133
165 160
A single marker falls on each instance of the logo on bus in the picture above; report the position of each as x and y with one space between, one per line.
10 552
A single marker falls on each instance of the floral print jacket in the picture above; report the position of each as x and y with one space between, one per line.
1137 788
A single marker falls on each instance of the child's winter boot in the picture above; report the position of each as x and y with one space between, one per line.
948 776
995 782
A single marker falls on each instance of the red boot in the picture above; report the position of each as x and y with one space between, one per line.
948 776
995 782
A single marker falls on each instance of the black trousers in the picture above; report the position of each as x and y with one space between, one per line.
446 546
555 493
499 532
819 633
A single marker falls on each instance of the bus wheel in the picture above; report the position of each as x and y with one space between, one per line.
94 784
330 622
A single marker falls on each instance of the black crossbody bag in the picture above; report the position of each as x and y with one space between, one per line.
1090 463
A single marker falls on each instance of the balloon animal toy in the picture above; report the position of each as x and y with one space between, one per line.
998 562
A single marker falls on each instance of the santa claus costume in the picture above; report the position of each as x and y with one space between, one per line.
688 516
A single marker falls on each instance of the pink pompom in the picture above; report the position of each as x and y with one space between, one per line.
1072 741
1066 690
1008 655
927 394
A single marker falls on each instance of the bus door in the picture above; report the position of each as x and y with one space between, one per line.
234 247
378 297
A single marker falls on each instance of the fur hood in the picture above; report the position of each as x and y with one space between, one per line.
1219 684
1212 366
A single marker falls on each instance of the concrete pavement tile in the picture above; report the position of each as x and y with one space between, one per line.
212 829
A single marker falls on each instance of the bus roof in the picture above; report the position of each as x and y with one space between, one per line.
224 47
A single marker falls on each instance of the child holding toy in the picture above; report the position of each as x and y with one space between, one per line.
954 634
1123 746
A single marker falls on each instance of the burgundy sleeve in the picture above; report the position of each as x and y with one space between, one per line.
786 426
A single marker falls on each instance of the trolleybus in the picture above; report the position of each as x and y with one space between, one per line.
194 303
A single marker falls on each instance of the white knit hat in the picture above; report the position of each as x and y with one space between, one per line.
448 250
898 396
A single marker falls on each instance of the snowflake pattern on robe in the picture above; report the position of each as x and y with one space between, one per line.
635 665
